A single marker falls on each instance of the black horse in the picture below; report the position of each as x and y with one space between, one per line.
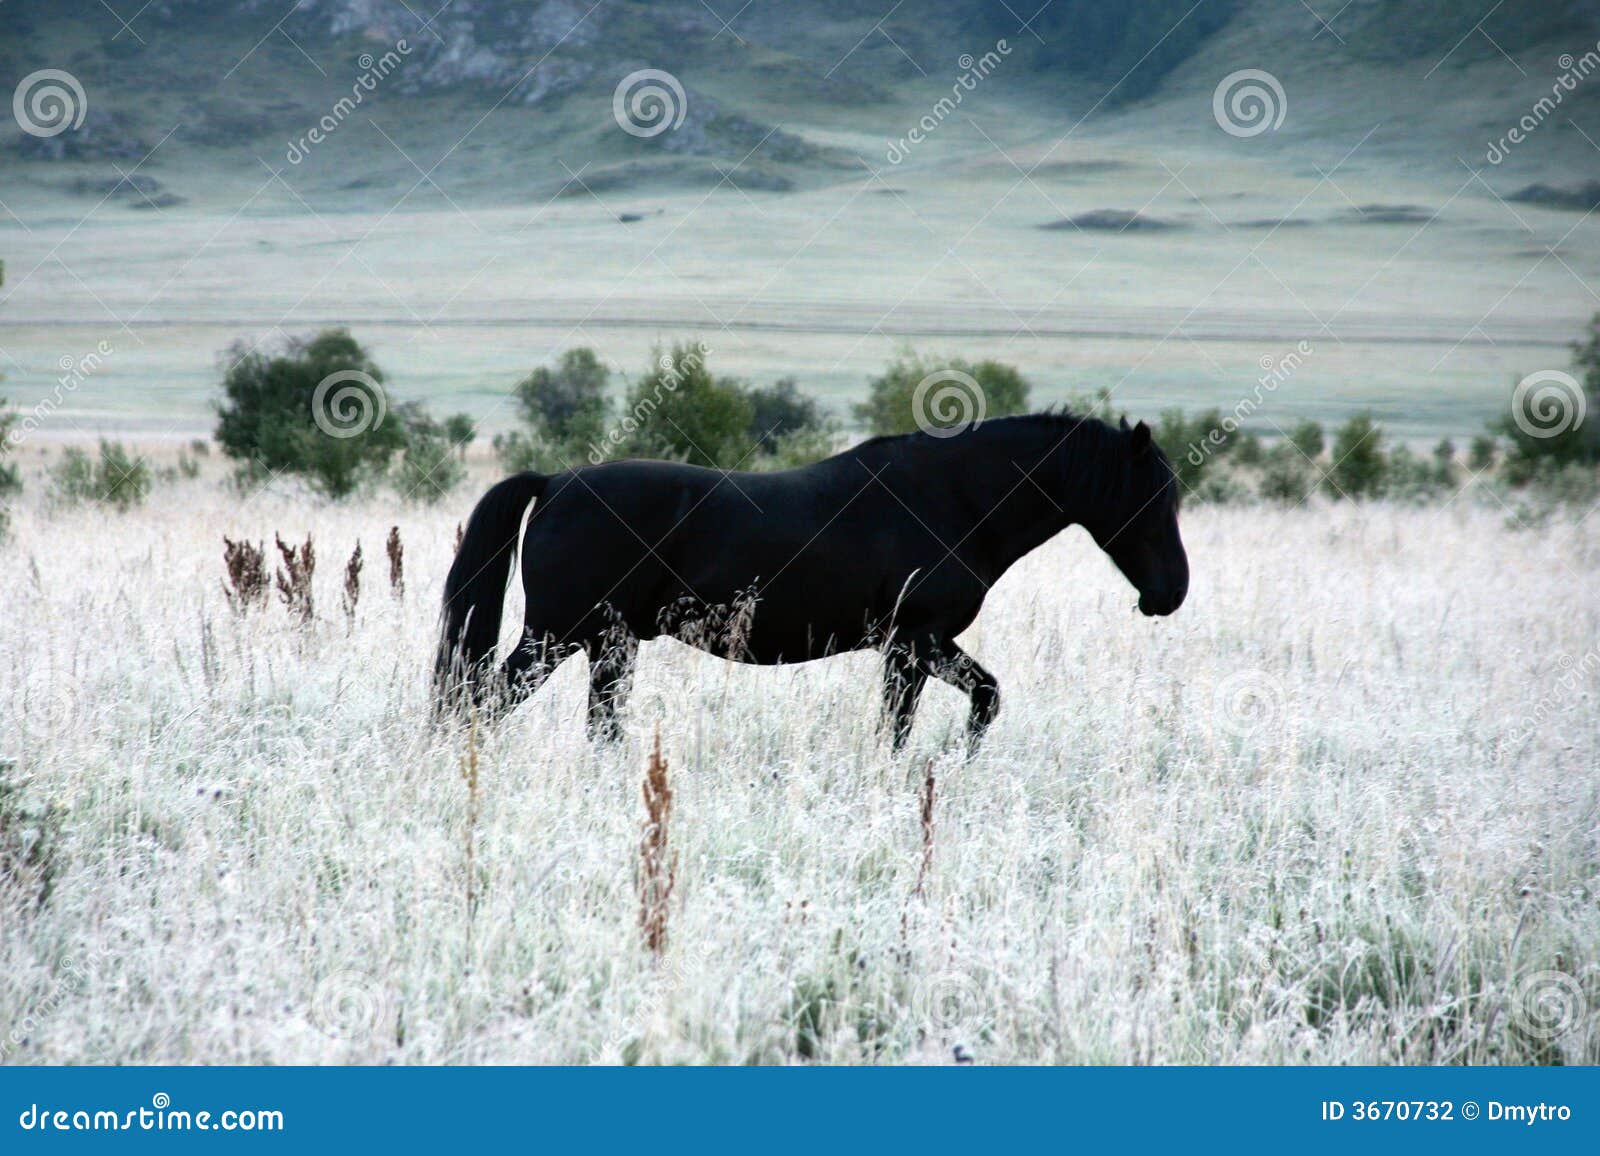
891 545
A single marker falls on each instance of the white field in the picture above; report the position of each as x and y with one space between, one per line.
1297 822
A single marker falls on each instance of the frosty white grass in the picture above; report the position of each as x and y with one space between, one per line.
1299 821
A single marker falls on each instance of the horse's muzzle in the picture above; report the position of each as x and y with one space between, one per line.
1160 605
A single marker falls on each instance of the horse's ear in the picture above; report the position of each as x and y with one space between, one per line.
1140 440
1122 419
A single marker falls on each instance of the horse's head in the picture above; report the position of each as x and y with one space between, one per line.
1140 533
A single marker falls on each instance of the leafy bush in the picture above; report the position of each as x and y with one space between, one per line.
1286 476
892 407
1359 468
430 464
680 411
1410 476
1194 445
1540 442
319 408
779 411
1481 454
1248 450
566 411
10 478
567 403
1307 437
114 477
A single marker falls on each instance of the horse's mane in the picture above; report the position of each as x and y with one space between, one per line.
1080 438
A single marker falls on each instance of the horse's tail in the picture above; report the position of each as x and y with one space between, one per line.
475 589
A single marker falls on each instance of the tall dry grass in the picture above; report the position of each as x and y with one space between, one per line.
1303 821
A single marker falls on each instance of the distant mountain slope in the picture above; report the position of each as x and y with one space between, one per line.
521 99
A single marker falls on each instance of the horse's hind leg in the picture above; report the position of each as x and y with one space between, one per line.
903 680
955 666
536 657
611 662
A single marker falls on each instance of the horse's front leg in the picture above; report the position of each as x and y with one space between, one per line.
903 680
955 666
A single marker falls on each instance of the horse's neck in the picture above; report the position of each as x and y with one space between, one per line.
1014 486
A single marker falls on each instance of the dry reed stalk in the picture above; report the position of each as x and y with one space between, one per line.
352 584
294 577
397 563
469 775
247 574
658 867
928 793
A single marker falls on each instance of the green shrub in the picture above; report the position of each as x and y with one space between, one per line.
1307 437
1194 444
10 477
1359 467
1248 450
430 464
1286 476
892 406
779 411
1546 435
114 477
1480 455
269 418
678 410
1408 475
567 404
